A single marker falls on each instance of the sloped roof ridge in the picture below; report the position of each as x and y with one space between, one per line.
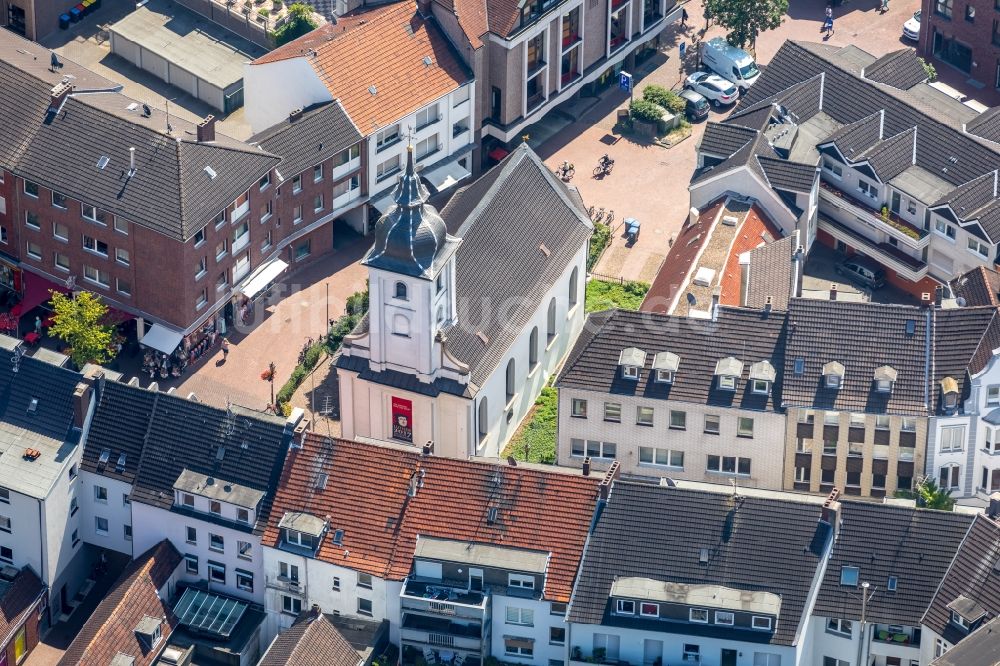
850 128
954 558
591 332
882 143
776 97
962 188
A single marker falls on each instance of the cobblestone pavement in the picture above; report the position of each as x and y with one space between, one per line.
297 311
650 182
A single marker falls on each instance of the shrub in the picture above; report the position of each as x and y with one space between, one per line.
668 99
599 241
643 109
300 21
536 440
264 11
928 70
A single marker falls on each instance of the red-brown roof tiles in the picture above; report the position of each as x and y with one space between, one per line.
756 230
680 260
111 627
383 47
366 495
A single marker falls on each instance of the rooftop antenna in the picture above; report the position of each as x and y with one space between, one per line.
167 104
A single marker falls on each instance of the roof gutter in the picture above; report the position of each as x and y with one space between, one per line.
928 356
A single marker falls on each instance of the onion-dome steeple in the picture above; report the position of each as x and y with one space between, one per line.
411 235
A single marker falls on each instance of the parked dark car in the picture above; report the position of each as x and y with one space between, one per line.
697 106
862 271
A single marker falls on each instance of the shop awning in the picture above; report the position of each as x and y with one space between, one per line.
162 339
36 292
444 176
262 277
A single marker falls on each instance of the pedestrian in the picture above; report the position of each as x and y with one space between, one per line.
225 348
829 27
829 11
684 17
38 325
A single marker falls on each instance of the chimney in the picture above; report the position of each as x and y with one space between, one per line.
767 306
833 291
58 95
938 295
83 394
586 466
131 161
316 611
609 477
716 293
424 7
428 448
831 511
511 461
994 509
294 114
206 129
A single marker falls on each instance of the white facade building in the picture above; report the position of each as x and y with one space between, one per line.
452 351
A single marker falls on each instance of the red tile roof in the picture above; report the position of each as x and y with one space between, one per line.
18 601
383 47
756 230
111 627
311 641
680 260
366 495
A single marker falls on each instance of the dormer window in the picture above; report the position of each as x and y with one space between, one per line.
401 291
959 621
187 500
302 530
833 375
626 607
149 632
665 365
728 370
294 538
885 377
762 375
631 361
949 394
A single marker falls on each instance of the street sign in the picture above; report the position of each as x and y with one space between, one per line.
625 81
683 49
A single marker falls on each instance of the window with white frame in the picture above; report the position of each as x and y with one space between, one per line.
941 646
217 572
244 580
648 609
729 465
521 581
289 572
944 229
744 427
698 615
766 659
579 408
760 622
867 189
952 438
427 116
97 276
428 146
949 476
692 652
387 168
216 542
993 395
613 412
100 494
364 607
291 605
520 616
625 607
833 168
724 617
91 244
387 137
839 626
649 455
317 173
644 415
191 564
365 581
678 420
518 647
712 424
976 247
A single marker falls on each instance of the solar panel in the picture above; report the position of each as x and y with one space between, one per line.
209 612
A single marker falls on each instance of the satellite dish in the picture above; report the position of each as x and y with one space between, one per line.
960 301
691 299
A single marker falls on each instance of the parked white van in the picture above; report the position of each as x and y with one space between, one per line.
730 63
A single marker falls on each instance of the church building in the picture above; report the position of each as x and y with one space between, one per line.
471 309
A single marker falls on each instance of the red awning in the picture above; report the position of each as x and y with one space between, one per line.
498 154
36 292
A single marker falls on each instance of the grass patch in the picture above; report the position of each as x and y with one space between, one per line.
535 441
598 241
604 294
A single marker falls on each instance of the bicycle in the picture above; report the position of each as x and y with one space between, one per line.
566 171
610 218
599 215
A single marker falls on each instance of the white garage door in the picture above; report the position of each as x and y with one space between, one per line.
211 95
154 64
125 48
184 80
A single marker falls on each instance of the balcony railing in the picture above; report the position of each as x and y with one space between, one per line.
535 66
440 599
569 77
899 261
891 224
571 40
285 584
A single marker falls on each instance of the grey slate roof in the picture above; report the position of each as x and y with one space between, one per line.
771 273
182 434
657 532
863 337
915 546
972 574
899 69
725 138
856 138
322 131
986 125
170 192
786 175
981 648
892 156
745 334
964 339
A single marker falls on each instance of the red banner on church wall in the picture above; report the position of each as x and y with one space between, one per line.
402 419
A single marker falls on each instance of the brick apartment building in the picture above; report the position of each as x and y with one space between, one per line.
169 222
965 35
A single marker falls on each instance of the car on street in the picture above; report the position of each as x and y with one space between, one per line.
713 87
697 106
911 29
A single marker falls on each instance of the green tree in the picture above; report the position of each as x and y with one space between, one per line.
931 497
928 70
80 322
298 22
660 96
746 19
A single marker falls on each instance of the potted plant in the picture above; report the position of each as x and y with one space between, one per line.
885 214
577 653
600 654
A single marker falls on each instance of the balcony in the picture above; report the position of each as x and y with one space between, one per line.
571 41
441 632
346 168
893 224
294 586
895 641
911 268
346 198
441 600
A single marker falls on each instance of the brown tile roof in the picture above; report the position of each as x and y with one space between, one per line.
135 595
311 641
752 234
680 260
980 286
20 597
383 47
366 496
472 17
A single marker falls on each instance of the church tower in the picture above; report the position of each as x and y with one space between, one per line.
411 272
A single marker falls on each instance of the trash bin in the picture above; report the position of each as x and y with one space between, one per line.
75 13
64 21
